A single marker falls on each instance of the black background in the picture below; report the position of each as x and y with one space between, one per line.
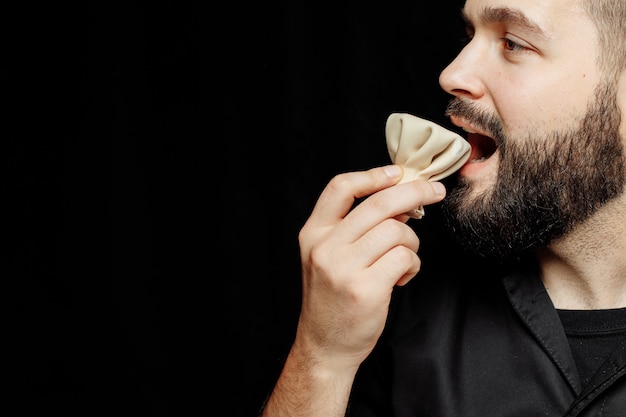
158 160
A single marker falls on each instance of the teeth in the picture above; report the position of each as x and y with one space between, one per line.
468 130
479 159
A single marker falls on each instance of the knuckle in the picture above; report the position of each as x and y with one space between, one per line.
378 203
340 182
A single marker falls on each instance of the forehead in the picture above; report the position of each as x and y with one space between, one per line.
542 16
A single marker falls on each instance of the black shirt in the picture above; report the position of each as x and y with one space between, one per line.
457 345
592 336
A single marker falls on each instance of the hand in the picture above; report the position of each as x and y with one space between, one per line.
352 259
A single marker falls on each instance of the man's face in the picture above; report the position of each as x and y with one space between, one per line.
546 182
544 127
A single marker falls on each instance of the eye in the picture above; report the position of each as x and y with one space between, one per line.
512 46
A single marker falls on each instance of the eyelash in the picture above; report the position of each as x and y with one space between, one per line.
508 44
512 46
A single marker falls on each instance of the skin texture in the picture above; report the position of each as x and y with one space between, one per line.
530 66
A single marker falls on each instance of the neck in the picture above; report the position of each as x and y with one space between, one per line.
586 269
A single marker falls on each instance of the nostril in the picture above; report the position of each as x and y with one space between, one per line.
458 92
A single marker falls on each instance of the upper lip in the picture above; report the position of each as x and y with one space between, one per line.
483 145
467 127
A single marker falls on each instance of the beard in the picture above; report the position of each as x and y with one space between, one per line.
545 186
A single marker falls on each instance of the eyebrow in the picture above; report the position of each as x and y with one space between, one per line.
507 15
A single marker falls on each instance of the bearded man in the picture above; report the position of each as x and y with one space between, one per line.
540 90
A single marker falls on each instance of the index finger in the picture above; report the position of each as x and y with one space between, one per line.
391 203
338 197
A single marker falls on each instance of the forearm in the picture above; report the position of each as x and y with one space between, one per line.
306 388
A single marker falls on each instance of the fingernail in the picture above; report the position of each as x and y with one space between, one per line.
438 187
393 171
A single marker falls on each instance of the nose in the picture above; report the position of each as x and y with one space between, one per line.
461 77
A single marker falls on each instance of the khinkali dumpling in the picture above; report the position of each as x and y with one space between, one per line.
424 149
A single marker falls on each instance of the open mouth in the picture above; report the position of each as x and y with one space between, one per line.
482 147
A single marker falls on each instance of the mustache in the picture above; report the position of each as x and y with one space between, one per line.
484 121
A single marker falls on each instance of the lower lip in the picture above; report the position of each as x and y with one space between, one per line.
472 169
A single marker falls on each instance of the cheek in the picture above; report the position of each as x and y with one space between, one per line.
546 108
